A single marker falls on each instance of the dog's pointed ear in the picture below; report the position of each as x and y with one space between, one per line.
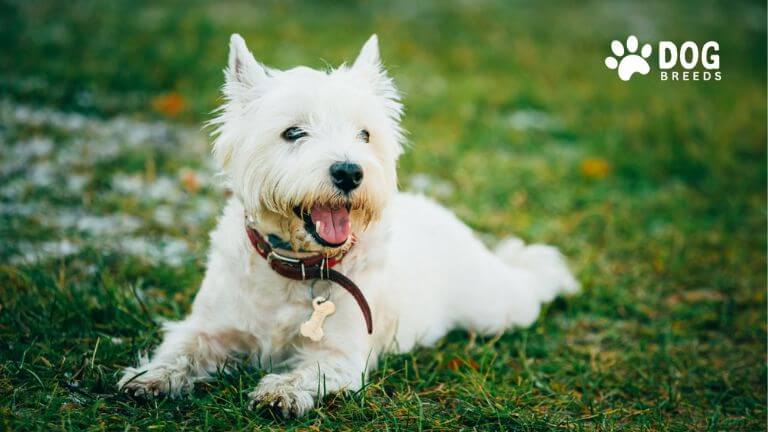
368 64
244 80
243 71
369 55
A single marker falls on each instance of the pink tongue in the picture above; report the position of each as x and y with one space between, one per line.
334 223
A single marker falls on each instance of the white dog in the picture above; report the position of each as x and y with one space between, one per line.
311 158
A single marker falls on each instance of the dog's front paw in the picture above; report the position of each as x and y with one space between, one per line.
280 393
154 381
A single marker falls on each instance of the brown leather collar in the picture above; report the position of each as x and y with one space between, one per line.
309 268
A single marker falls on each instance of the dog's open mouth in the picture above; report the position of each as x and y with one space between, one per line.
329 225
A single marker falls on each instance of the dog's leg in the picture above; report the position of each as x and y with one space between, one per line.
545 262
190 352
512 286
339 362
316 373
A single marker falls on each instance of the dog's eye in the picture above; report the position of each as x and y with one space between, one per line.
364 135
293 133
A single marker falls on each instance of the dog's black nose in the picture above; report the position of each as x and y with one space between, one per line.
346 175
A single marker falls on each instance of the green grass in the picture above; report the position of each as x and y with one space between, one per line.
654 190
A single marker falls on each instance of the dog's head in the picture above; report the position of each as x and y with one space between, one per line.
311 154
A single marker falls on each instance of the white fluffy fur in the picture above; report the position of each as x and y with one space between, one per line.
421 269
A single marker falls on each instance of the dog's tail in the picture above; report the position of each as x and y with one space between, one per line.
544 261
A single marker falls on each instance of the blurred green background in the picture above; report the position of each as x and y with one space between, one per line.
655 190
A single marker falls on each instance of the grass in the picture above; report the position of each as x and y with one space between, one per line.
654 190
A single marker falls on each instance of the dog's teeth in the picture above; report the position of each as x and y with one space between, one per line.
318 226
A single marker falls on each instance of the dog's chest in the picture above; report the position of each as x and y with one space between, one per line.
278 320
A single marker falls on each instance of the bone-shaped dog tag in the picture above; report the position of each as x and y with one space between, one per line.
313 328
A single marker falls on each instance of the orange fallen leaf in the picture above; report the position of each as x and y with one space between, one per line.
596 168
455 363
189 180
169 104
695 296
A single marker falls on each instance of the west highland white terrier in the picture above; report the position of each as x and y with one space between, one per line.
319 265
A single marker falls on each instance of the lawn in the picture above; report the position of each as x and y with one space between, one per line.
655 190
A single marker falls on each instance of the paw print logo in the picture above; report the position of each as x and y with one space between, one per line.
631 63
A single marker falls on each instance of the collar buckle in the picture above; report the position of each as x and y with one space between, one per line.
272 255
